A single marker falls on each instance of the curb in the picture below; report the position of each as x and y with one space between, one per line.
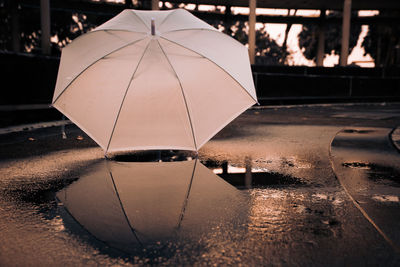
33 126
395 137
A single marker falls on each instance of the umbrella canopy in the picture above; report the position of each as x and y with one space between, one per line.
153 80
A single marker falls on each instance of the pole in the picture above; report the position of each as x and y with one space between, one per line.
45 25
153 27
345 32
154 5
15 29
252 30
321 40
248 177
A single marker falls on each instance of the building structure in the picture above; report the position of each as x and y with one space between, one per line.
346 6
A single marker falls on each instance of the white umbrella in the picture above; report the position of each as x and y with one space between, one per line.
153 80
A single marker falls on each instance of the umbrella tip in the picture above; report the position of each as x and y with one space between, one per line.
153 27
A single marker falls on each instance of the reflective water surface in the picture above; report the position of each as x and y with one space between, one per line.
142 206
168 212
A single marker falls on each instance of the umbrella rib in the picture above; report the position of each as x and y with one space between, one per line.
123 211
212 62
193 29
202 29
183 94
141 20
126 92
94 62
185 202
167 17
111 30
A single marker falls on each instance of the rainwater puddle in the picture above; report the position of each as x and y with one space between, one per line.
161 212
376 172
249 176
357 165
154 156
172 212
153 209
253 174
357 131
386 198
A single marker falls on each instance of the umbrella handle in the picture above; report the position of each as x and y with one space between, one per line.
153 27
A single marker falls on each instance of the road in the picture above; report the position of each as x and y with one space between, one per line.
309 185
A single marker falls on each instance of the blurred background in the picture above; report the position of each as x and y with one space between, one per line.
302 51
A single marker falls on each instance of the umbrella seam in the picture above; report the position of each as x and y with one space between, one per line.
87 230
94 62
197 29
212 62
183 94
174 11
205 29
106 30
126 92
112 30
186 200
141 20
123 211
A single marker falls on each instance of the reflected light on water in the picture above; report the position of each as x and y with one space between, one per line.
134 205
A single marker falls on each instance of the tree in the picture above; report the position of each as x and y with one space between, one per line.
383 41
66 25
268 52
308 37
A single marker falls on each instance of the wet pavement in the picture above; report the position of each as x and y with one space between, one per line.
291 185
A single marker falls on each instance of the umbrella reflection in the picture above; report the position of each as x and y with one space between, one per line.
129 205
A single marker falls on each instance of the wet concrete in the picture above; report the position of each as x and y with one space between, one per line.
303 185
368 167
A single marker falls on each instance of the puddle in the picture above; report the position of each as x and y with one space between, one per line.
357 165
136 207
248 177
376 172
261 179
386 198
357 131
154 156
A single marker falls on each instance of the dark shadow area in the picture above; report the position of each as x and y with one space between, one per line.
154 156
357 131
41 141
18 117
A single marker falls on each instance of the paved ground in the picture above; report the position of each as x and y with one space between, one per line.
307 185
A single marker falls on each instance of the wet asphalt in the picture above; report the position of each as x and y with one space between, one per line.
315 185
